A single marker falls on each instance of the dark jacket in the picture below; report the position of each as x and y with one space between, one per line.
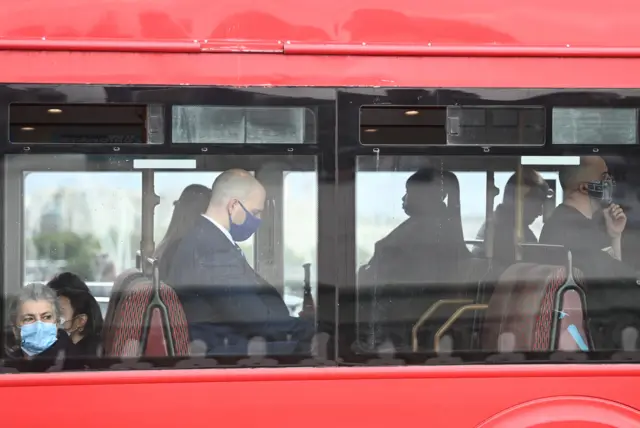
59 356
416 264
226 302
88 347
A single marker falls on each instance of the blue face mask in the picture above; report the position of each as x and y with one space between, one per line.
37 337
244 231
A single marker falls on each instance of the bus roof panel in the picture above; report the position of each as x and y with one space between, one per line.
404 22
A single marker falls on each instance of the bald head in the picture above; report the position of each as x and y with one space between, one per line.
234 184
236 196
591 168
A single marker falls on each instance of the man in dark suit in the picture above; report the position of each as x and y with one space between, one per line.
225 301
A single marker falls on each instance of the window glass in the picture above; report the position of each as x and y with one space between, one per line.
595 126
416 277
239 125
84 215
84 222
300 220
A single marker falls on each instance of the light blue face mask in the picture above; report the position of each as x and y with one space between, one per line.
37 337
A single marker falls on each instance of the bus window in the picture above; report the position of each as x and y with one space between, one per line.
84 222
300 221
419 291
237 125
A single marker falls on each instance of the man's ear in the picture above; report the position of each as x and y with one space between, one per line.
583 188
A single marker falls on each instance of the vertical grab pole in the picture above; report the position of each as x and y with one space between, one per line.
489 232
518 232
149 202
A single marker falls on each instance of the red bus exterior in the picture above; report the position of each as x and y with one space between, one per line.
371 43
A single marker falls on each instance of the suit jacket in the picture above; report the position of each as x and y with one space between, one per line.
225 301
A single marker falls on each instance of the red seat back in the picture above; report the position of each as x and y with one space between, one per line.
146 323
524 304
121 282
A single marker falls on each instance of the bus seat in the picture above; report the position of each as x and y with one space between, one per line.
145 324
121 282
523 303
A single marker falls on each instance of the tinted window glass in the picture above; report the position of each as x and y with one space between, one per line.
420 291
595 126
236 125
83 214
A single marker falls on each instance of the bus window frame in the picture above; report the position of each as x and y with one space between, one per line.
350 100
320 100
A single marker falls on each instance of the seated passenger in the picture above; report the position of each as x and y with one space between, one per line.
535 191
588 191
590 225
38 344
68 280
188 209
81 318
225 301
430 221
423 251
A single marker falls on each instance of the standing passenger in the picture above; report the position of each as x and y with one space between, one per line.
188 209
225 301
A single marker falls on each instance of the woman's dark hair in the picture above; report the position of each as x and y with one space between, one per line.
68 280
531 179
193 202
83 302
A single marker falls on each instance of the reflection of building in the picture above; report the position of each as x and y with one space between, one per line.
110 215
51 219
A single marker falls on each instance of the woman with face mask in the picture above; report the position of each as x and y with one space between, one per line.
38 344
81 319
80 314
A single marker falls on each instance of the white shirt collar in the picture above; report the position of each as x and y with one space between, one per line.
222 229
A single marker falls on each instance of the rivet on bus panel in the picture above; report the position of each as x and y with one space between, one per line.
26 149
486 149
116 149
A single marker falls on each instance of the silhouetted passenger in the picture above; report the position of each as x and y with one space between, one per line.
416 258
187 211
535 191
225 301
37 343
